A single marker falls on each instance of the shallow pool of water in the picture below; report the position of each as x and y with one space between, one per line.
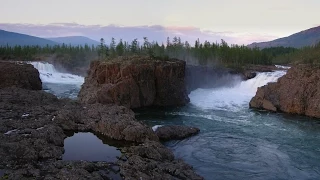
88 147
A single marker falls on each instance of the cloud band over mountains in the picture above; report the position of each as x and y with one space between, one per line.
154 33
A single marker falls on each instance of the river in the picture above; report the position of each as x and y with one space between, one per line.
235 142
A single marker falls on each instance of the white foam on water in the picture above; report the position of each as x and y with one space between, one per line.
154 128
11 131
49 74
282 67
234 98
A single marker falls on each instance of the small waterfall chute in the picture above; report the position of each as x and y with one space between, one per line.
49 74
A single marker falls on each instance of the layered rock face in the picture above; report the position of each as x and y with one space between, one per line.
297 92
20 75
135 82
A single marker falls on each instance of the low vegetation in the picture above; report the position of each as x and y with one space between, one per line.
206 53
199 53
306 55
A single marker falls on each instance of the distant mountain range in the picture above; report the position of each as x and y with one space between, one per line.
75 40
304 38
12 39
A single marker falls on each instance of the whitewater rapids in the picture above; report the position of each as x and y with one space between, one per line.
63 85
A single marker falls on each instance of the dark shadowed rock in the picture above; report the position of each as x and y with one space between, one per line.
20 75
135 82
55 170
116 122
32 132
249 75
176 132
151 160
297 92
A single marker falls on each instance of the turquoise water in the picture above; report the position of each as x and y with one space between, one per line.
244 144
238 143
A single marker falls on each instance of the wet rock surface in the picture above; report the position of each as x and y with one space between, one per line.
135 82
175 132
34 124
20 75
297 92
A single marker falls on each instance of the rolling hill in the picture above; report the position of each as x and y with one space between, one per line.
304 38
12 39
74 40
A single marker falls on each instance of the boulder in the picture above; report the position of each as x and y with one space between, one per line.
249 74
135 82
175 132
297 92
20 75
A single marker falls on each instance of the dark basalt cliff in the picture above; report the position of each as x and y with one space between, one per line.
135 82
297 92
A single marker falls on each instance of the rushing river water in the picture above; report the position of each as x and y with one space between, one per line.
235 142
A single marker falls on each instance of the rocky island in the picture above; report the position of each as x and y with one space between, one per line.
136 81
34 124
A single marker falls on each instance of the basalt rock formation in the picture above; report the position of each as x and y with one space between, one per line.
20 75
297 92
135 82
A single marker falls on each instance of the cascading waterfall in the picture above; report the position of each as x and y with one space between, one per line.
63 85
49 74
227 98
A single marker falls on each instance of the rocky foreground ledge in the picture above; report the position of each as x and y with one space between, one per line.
136 82
33 126
19 75
297 92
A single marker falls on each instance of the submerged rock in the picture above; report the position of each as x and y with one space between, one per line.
135 82
175 132
19 75
297 92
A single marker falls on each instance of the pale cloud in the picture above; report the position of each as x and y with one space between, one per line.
278 18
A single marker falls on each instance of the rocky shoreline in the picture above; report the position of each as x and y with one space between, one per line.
34 124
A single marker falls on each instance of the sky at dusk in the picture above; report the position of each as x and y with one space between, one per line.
242 21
